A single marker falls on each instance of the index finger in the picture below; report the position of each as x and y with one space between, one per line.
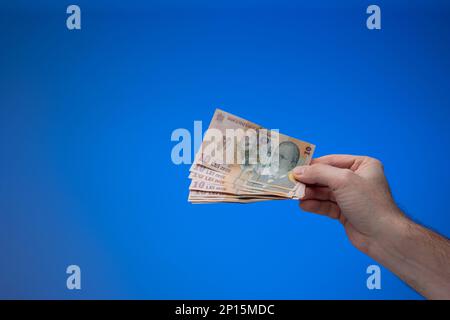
344 161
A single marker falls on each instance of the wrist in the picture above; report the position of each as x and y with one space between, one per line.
391 236
417 255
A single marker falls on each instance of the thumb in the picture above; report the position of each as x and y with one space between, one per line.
323 174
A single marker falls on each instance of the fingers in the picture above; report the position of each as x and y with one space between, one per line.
326 208
318 193
323 174
343 161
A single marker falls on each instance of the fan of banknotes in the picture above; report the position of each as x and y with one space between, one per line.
242 162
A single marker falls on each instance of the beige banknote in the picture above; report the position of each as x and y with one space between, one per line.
212 197
213 171
202 177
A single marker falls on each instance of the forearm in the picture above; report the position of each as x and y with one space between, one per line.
417 255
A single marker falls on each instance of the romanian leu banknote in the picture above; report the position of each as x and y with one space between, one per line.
240 161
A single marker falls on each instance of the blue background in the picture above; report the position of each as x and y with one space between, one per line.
86 117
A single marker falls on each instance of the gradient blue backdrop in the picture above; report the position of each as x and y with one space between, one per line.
86 117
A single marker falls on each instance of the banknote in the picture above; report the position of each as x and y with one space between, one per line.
213 197
202 177
240 161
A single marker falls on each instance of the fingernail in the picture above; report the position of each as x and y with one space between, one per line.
298 171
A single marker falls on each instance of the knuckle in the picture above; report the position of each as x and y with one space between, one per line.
311 169
346 176
318 166
367 159
317 169
376 162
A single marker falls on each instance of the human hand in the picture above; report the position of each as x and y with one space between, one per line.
354 190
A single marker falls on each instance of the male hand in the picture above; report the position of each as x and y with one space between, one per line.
354 190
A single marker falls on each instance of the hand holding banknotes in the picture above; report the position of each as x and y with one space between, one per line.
351 189
354 190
